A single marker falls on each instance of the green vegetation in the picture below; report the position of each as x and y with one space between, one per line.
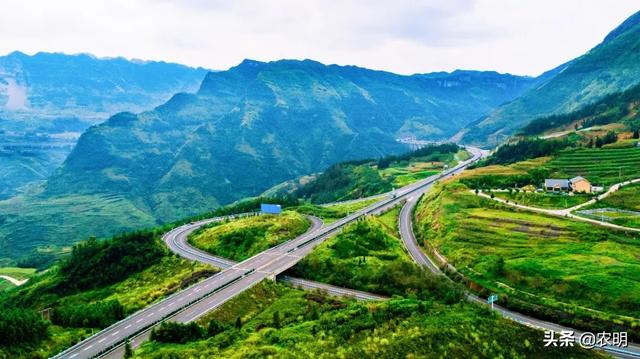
332 213
18 273
617 107
604 166
20 326
544 200
82 296
357 179
368 256
570 86
242 238
625 199
173 162
279 321
554 268
524 149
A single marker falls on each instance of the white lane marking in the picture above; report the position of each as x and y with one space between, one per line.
101 340
197 290
189 294
171 303
115 333
89 347
73 355
150 314
128 326
139 320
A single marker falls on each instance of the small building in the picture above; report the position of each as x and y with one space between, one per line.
580 185
556 185
576 184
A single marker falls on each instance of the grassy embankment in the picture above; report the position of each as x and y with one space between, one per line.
242 238
568 271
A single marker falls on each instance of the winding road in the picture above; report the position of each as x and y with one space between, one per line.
408 238
207 295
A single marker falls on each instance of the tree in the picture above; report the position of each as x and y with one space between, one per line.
239 322
276 320
214 328
128 352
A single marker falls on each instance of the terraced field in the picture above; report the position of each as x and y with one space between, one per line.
600 166
551 262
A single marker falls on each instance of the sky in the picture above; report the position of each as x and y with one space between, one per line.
524 37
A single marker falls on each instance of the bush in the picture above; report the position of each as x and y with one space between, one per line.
20 326
94 263
96 315
172 332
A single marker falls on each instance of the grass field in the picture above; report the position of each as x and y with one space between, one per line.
540 259
242 238
600 166
330 214
312 325
544 200
627 198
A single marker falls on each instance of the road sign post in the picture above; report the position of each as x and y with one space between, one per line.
492 298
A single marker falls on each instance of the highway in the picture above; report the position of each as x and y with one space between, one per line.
177 242
408 238
207 295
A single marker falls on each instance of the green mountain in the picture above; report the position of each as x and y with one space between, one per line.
612 66
245 130
47 100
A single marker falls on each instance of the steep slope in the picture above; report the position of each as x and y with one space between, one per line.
612 66
247 129
47 100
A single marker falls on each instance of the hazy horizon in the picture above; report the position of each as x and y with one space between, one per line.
405 38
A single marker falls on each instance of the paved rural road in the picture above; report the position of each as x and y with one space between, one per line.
409 240
203 297
567 212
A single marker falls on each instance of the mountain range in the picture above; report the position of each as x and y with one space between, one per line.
47 100
612 66
244 130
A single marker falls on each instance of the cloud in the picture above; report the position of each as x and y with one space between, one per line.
405 36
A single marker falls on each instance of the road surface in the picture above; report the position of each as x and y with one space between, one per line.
203 297
408 238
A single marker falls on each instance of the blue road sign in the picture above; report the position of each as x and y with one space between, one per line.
270 208
492 298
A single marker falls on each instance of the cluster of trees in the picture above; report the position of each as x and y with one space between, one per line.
249 205
172 332
343 180
525 149
483 182
360 179
426 151
96 315
21 326
349 267
93 264
609 109
598 142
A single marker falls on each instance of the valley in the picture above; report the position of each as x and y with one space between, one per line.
293 208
